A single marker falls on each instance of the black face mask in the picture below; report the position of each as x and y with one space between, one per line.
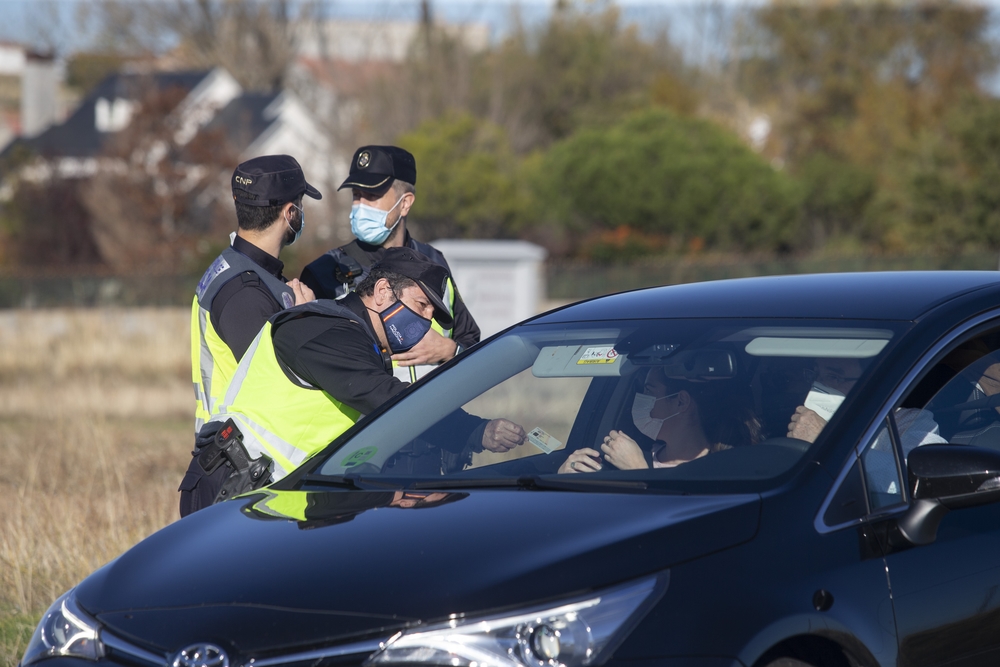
403 327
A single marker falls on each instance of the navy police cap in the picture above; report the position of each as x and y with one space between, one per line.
270 180
374 167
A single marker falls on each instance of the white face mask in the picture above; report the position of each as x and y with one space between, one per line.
642 407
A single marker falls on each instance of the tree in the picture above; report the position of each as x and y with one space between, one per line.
146 205
584 67
861 94
147 208
581 68
856 79
947 196
683 179
252 39
468 179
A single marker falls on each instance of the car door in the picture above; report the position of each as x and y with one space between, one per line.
946 595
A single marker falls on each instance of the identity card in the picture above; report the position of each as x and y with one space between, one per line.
543 440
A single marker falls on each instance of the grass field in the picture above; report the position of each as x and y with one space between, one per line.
95 430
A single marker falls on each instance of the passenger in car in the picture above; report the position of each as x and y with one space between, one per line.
685 418
980 426
837 377
831 378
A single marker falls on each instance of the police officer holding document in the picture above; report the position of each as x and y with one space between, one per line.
315 369
244 287
382 181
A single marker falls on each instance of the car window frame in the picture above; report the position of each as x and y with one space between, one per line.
318 461
975 325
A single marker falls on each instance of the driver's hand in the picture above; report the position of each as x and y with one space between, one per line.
582 460
805 424
502 435
623 452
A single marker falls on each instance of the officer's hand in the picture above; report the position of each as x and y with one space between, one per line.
433 348
302 292
502 435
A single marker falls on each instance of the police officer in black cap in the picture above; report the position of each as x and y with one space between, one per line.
314 369
244 287
382 181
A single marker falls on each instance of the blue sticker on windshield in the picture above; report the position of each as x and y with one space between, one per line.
359 457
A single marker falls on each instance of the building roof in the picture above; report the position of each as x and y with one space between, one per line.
245 118
79 135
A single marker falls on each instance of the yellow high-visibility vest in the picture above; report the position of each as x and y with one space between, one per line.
287 420
212 362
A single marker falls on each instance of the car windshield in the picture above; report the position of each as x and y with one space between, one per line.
661 405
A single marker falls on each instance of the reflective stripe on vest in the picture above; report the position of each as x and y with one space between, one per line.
212 362
278 417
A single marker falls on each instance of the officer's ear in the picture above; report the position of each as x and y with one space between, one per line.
407 201
383 294
287 214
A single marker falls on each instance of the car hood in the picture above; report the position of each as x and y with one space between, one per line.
292 568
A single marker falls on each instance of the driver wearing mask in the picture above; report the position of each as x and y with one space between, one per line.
686 419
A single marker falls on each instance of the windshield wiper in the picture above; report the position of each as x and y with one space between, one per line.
533 483
354 482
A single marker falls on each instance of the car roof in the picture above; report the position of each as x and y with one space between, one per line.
896 295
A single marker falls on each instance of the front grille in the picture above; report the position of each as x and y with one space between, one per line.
122 652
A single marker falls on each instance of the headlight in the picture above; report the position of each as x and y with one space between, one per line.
65 629
579 633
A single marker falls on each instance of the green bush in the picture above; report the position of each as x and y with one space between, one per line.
666 175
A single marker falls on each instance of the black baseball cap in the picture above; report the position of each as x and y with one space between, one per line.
432 278
374 167
270 180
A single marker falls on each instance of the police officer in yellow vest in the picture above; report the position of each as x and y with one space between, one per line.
383 185
244 287
314 369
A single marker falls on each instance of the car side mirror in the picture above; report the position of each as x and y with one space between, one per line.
943 478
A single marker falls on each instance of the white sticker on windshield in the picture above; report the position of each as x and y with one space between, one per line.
605 354
543 440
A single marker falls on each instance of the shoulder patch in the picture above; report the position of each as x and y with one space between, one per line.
219 266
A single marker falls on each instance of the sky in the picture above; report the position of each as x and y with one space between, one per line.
684 20
19 18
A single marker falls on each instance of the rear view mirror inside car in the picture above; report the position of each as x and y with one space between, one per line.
701 364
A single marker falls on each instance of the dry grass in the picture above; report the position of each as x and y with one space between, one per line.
96 412
95 419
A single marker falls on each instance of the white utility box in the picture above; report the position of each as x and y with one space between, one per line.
502 282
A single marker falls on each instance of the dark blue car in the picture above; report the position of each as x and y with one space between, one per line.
776 471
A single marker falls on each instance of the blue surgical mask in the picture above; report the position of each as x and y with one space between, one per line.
368 223
297 232
403 327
